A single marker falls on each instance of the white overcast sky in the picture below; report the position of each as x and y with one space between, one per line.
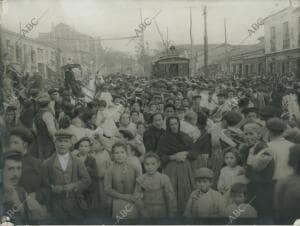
118 18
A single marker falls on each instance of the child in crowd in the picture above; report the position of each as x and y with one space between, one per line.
229 172
92 195
151 110
120 181
126 124
240 206
136 149
103 162
204 201
140 131
134 116
158 198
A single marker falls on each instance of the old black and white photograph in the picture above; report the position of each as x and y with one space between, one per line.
150 112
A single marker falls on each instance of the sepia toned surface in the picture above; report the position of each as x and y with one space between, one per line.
150 112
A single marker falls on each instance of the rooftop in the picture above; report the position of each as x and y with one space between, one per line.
290 8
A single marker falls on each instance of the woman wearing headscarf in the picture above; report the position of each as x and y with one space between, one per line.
174 150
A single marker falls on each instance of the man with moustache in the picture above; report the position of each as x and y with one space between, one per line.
13 196
64 178
20 140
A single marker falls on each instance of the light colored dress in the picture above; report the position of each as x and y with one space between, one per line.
159 199
209 204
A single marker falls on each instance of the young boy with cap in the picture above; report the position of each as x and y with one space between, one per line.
204 201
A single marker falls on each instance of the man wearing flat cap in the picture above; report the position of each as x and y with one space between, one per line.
13 196
56 102
20 139
7 121
65 177
224 106
44 127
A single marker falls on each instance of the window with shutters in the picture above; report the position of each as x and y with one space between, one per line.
273 39
286 37
33 56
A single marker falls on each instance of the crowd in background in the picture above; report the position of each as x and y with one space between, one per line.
151 149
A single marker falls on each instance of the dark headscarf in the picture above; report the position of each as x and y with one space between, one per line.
171 143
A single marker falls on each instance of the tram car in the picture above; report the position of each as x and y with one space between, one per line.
169 66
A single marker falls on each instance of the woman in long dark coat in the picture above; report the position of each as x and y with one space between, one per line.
174 150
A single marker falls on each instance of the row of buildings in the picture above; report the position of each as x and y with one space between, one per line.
276 53
47 53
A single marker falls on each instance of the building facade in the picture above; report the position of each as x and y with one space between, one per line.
282 41
29 55
75 46
249 60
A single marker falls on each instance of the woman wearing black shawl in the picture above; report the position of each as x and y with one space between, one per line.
174 150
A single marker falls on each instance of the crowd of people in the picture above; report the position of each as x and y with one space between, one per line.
152 149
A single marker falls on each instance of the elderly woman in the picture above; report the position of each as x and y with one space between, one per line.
287 199
253 134
259 166
174 150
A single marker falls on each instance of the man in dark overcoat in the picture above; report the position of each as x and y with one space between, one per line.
65 177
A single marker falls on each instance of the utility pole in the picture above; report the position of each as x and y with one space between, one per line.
226 48
2 63
17 44
205 43
167 40
1 34
225 31
143 44
192 44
